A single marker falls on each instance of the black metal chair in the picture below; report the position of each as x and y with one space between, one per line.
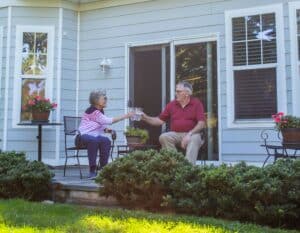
71 125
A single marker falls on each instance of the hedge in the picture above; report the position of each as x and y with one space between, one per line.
165 180
20 178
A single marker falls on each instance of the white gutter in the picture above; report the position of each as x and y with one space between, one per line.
7 66
58 82
77 64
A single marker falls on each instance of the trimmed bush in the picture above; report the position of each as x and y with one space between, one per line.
142 178
22 178
164 179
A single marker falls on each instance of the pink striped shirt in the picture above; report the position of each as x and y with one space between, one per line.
94 122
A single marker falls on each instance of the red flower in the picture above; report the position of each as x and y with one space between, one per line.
38 103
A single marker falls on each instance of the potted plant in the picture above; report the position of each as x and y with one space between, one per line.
289 126
39 107
135 136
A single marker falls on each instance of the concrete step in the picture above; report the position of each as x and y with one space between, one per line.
72 189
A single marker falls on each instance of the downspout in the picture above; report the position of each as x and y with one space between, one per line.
58 83
8 39
77 64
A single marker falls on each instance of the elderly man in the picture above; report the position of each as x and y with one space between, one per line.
186 116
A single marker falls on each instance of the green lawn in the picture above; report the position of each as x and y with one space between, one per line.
21 216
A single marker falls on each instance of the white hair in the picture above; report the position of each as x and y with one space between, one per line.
187 86
95 96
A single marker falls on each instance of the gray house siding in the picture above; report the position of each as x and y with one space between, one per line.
105 32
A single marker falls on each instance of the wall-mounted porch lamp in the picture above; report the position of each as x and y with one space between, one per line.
105 64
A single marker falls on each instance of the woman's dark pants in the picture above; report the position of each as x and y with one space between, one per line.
94 144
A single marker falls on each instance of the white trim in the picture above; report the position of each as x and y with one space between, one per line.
18 61
7 69
69 5
34 3
107 3
219 97
77 64
173 70
173 42
295 79
58 80
1 57
126 80
280 75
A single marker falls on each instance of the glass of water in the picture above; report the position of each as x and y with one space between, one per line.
138 114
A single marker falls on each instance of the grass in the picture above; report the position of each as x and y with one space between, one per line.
18 216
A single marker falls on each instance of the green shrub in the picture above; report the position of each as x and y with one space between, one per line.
151 179
22 178
142 178
268 195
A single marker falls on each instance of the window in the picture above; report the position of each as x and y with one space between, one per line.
294 13
33 70
255 64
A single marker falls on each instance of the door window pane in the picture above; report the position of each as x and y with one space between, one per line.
192 66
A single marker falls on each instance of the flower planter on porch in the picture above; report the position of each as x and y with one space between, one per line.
291 135
40 116
134 140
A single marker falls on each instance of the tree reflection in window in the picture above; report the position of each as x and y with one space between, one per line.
34 53
33 67
254 39
31 87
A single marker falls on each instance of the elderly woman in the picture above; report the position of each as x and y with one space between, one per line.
92 127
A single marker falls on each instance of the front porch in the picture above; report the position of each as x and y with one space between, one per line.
72 189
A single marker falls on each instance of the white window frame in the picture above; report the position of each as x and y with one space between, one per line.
20 29
295 61
280 65
1 57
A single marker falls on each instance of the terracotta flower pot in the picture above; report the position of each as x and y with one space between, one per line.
40 116
291 135
134 140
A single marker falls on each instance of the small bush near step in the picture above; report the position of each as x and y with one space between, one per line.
142 178
22 178
154 180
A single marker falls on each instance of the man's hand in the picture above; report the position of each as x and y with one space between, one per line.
152 120
185 141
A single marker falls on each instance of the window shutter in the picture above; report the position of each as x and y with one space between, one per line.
255 93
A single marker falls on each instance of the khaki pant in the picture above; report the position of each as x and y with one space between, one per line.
172 139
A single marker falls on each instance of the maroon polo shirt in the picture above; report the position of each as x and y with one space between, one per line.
183 119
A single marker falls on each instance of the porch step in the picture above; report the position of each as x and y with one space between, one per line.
72 189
